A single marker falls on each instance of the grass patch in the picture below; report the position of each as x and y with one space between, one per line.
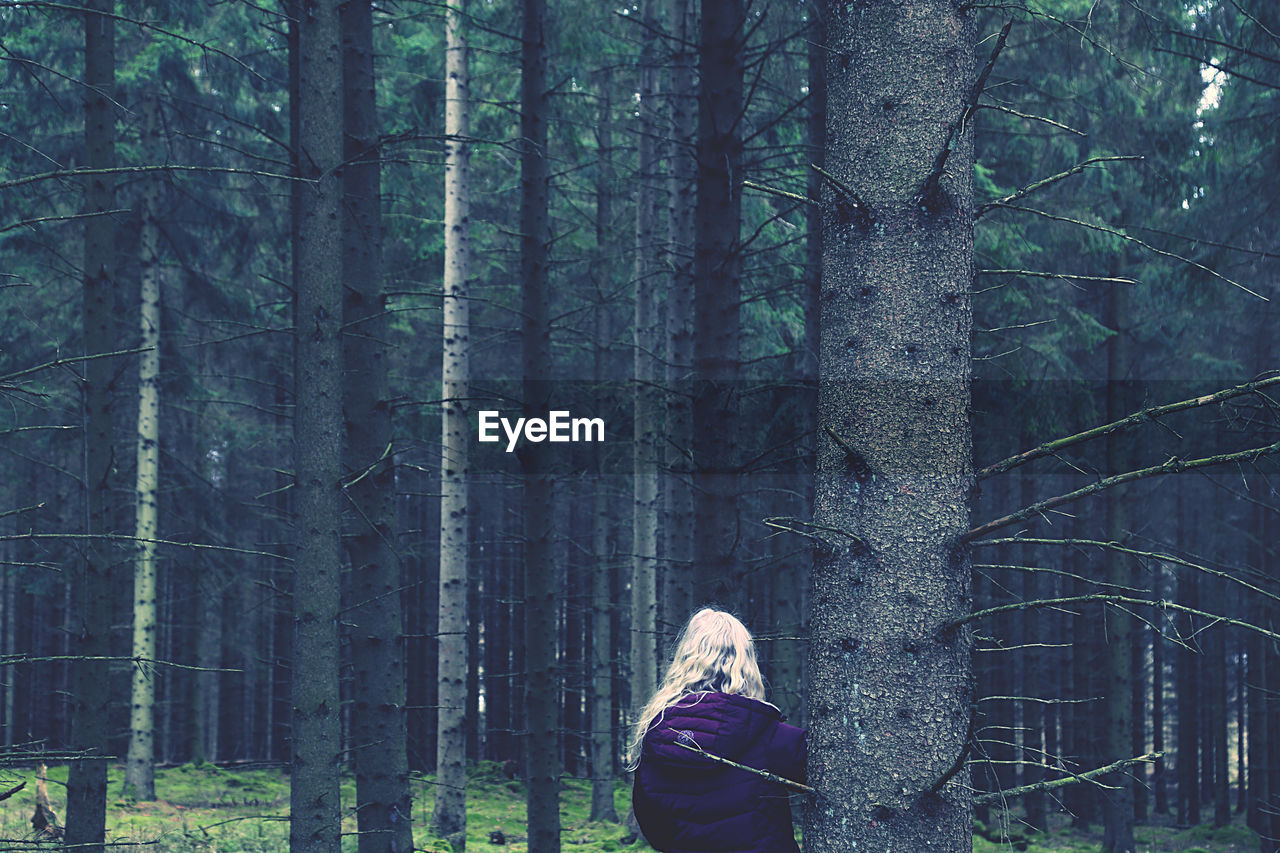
205 808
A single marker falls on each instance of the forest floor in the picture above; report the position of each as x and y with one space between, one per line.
244 810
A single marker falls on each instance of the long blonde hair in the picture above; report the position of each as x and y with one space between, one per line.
714 654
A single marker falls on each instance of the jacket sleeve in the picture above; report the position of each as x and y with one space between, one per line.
789 752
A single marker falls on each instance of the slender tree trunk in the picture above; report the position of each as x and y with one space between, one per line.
316 747
644 548
542 694
1118 813
890 696
91 631
1216 663
449 820
600 696
378 721
716 294
139 777
1159 772
1188 688
1035 719
678 520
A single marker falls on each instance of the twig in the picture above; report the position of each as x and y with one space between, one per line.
1049 181
929 191
772 777
1050 447
1173 466
752 185
1128 237
1074 778
1029 117
1104 599
1154 555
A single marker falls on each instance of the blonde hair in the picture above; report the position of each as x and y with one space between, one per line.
714 654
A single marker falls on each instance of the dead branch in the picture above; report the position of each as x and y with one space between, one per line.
1074 778
1049 181
1104 599
1173 465
1127 422
762 773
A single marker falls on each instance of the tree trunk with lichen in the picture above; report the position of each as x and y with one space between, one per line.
890 683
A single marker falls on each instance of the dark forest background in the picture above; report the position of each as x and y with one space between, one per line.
1143 274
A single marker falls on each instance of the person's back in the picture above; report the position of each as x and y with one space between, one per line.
712 701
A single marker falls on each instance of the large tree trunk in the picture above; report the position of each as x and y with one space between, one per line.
383 810
717 309
91 631
890 691
140 777
449 820
316 752
542 695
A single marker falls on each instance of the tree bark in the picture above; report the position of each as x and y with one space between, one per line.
91 630
1118 813
140 778
378 721
542 741
644 503
600 674
890 694
678 517
449 820
717 302
316 747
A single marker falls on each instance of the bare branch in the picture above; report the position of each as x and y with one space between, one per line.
1073 779
1135 419
1049 181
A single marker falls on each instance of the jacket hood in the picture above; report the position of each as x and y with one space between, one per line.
723 724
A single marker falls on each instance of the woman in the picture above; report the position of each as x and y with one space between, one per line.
712 701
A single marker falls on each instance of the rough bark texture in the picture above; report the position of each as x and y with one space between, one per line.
890 686
717 309
449 820
140 777
318 428
542 749
91 628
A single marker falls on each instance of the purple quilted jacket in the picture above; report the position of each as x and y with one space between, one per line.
685 803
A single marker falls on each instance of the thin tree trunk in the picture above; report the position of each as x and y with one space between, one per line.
644 548
91 631
600 673
1188 713
717 309
449 820
1118 813
378 719
139 776
1159 771
542 694
678 531
316 747
889 695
